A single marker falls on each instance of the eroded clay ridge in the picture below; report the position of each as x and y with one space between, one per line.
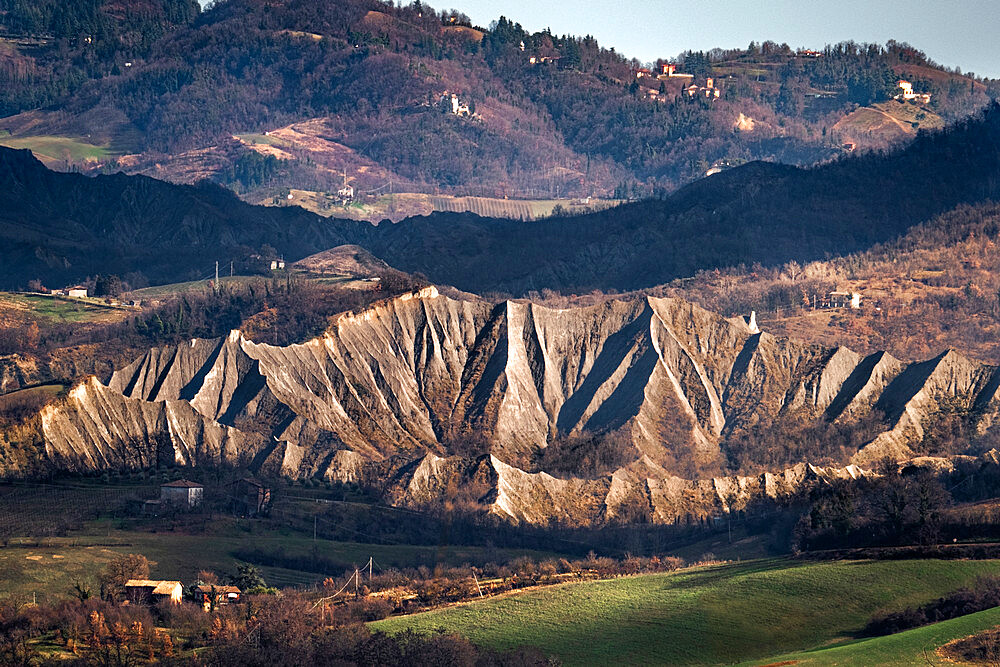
417 378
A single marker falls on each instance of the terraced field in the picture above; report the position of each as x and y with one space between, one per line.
405 204
712 615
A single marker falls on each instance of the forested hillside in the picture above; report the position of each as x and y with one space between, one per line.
548 115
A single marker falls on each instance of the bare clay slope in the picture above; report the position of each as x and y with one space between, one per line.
401 395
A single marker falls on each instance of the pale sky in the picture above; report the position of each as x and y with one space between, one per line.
963 33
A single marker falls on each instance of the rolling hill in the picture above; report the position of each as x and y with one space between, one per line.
363 86
721 615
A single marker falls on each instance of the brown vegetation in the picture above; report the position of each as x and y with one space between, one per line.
979 649
321 626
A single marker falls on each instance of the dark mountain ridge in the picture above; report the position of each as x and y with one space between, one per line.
60 227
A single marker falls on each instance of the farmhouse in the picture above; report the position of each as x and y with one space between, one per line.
213 595
455 106
843 300
277 264
77 292
907 93
669 71
181 493
149 591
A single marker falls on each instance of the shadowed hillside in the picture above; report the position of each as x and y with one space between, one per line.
758 213
62 226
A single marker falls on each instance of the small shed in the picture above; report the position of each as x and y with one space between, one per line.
151 591
182 492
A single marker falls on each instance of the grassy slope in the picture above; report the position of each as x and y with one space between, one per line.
53 149
701 616
912 647
52 310
21 396
196 285
406 204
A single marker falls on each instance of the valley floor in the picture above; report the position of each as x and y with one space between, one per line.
723 614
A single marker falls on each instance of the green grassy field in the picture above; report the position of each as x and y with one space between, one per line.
51 539
708 615
193 286
913 647
61 149
55 310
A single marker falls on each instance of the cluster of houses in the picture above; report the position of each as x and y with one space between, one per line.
345 195
708 90
543 60
664 71
246 496
160 592
906 93
667 72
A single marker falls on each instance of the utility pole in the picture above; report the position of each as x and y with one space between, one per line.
478 587
314 527
371 561
230 268
216 275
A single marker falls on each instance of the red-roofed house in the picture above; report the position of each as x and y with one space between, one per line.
213 595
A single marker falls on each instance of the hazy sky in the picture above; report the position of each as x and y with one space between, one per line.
965 33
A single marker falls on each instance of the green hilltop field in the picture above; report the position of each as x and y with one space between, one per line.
720 614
